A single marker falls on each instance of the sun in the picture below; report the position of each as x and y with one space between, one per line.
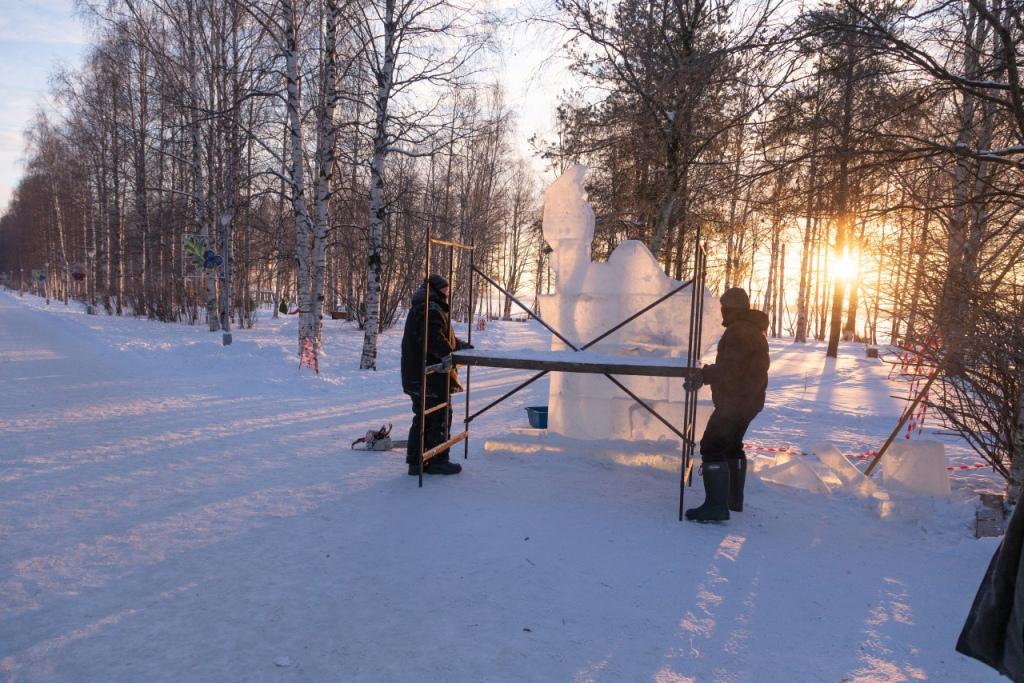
845 267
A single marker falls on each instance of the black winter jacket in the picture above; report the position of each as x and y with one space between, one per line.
440 343
739 375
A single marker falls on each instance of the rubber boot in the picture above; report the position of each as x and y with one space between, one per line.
440 464
737 477
716 493
442 467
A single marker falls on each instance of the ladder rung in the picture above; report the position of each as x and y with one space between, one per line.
446 445
439 406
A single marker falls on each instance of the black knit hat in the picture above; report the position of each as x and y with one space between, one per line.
735 297
437 283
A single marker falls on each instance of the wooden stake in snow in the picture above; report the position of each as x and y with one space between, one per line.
903 420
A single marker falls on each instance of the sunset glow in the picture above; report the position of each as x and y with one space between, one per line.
845 268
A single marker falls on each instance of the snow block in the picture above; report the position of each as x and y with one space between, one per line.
794 472
851 479
916 467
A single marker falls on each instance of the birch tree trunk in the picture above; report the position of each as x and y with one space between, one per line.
303 227
856 248
230 125
141 207
897 287
227 217
668 209
278 258
805 255
368 360
312 324
198 181
730 246
954 297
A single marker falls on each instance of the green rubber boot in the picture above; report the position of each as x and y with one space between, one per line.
716 493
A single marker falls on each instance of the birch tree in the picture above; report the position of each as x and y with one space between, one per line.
413 49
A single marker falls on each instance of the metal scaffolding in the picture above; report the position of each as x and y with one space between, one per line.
575 360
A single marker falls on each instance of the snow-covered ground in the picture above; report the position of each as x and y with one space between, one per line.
172 510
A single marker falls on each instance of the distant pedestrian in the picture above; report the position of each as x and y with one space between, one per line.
441 341
738 380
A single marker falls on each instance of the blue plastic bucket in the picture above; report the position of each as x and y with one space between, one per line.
538 416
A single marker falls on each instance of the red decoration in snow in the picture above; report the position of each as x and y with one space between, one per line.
309 357
916 361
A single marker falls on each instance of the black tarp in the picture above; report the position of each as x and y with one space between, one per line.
994 630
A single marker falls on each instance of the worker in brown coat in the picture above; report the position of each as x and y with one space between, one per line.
738 380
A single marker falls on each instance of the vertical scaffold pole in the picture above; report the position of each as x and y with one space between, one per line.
699 288
469 340
448 412
692 354
423 370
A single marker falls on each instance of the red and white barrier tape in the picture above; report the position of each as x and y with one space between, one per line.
866 455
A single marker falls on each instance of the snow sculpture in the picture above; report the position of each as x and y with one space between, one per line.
916 467
591 298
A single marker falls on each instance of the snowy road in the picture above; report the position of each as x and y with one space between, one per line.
171 510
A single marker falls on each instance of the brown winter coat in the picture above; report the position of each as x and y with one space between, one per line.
739 375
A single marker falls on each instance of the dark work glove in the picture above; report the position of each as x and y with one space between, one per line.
462 345
444 366
693 380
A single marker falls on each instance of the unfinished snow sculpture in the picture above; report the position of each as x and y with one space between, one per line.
591 298
916 467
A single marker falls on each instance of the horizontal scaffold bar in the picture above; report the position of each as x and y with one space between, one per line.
574 361
449 243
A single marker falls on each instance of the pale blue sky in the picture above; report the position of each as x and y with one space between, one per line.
36 36
39 36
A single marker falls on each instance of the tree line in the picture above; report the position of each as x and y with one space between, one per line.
215 154
856 164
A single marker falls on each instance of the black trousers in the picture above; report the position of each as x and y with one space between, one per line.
437 429
723 437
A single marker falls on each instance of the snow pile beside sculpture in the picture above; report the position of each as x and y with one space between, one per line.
591 298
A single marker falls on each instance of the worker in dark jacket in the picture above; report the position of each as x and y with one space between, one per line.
738 379
441 341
